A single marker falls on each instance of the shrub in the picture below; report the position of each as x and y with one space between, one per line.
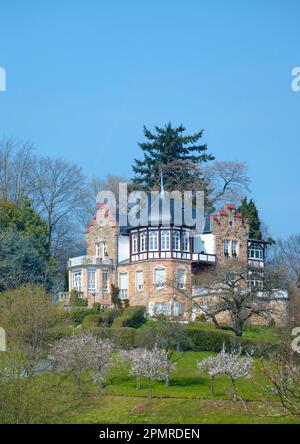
123 337
77 316
92 320
131 317
107 317
76 301
97 306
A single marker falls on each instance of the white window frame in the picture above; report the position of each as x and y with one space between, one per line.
91 283
160 284
143 241
134 240
98 249
186 241
226 245
153 240
181 282
105 289
234 248
77 280
256 252
139 280
123 291
165 240
176 240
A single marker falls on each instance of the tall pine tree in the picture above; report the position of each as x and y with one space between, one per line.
178 155
250 212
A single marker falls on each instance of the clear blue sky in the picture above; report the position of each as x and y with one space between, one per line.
83 77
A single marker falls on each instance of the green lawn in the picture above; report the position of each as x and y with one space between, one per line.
187 400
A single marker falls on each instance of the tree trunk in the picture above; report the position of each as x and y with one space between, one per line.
101 384
212 386
149 389
138 382
235 395
168 376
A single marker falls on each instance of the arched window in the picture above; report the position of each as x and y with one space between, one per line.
153 240
134 243
143 241
165 240
176 240
256 252
77 280
186 241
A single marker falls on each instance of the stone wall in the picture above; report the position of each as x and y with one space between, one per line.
149 292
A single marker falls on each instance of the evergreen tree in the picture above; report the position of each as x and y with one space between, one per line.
24 247
21 217
250 212
176 154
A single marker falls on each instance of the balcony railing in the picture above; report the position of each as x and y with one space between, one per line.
203 257
88 260
256 263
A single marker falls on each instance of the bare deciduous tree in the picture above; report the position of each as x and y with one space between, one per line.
283 372
226 182
225 292
15 164
55 189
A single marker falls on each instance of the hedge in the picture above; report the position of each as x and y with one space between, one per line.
205 340
91 320
123 337
198 340
131 317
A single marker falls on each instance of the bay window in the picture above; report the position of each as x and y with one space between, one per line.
165 240
153 240
176 240
143 241
77 280
92 280
186 241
